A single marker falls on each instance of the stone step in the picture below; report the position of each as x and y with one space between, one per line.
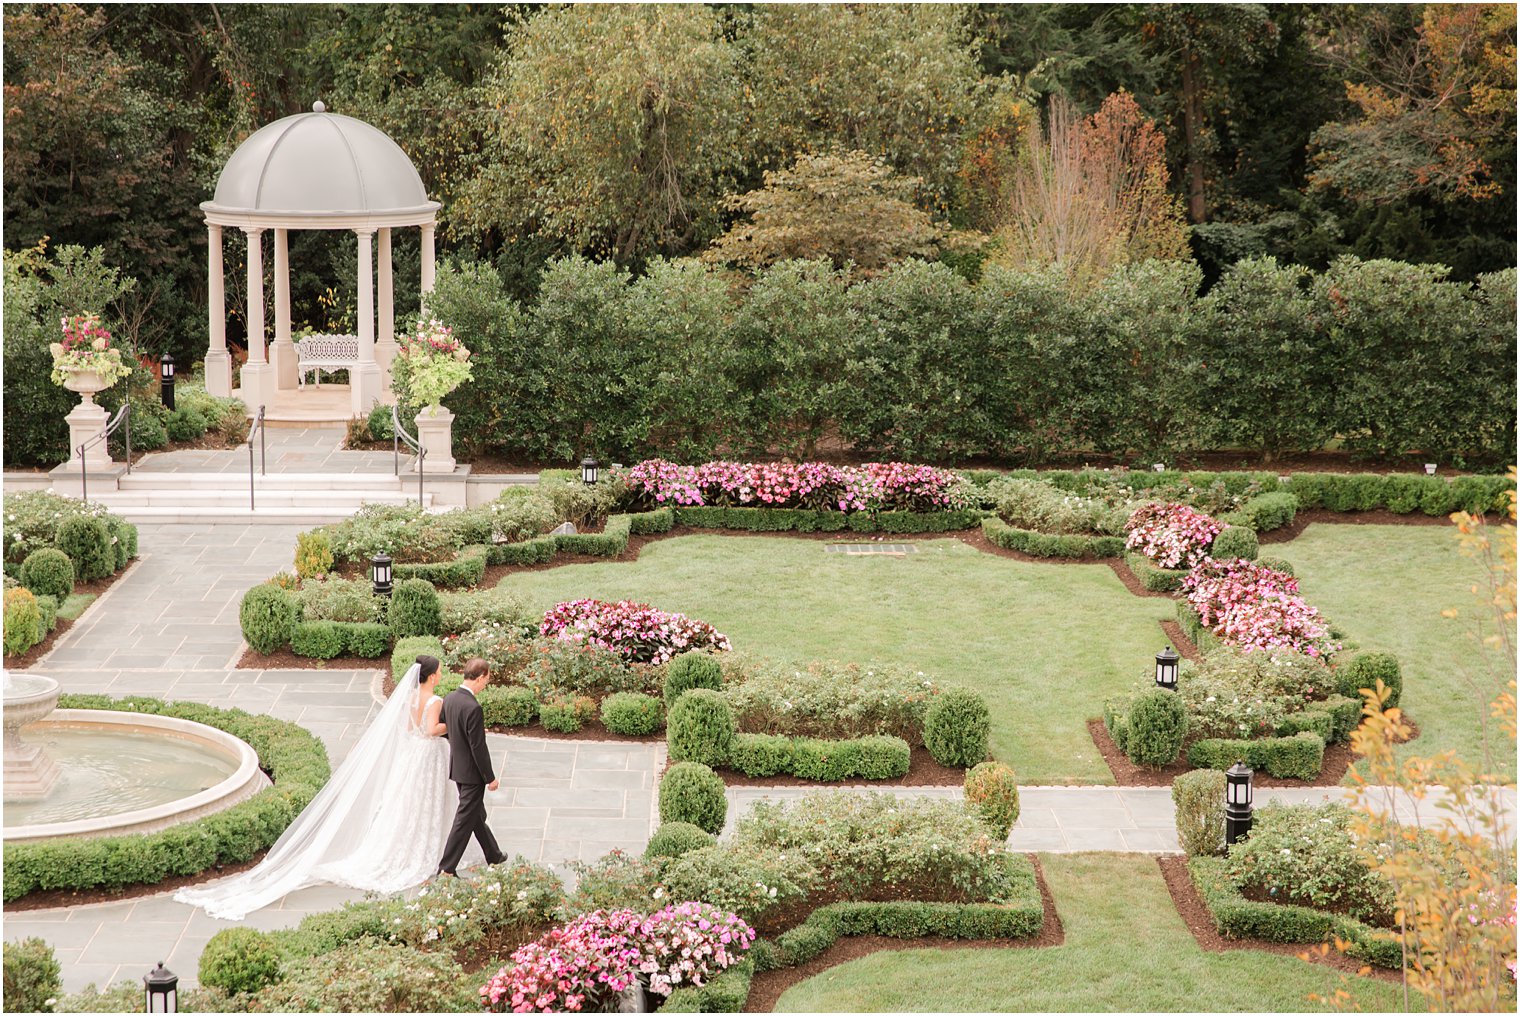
263 514
232 497
238 480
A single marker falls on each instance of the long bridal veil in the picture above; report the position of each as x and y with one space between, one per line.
336 824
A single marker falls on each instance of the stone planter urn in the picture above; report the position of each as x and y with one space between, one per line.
435 433
86 420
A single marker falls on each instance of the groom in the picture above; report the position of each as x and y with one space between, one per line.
469 768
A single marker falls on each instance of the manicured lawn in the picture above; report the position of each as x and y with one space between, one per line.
1126 949
1045 643
1386 586
71 608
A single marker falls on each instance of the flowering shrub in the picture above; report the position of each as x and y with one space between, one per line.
86 345
1308 855
548 666
636 631
588 962
830 700
1245 695
1171 535
875 486
1043 508
431 363
500 905
33 518
1251 606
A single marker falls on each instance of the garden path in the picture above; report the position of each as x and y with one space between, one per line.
289 450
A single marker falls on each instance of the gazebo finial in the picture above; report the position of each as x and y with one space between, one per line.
319 107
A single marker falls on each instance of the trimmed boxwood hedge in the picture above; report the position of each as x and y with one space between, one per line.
877 757
727 992
466 569
294 757
1401 493
805 520
1192 625
1027 541
1237 917
1288 758
1157 580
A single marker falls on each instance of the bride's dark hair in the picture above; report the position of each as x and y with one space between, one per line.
427 667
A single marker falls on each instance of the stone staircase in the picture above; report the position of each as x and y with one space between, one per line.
278 499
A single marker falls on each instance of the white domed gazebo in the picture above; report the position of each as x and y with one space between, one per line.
314 170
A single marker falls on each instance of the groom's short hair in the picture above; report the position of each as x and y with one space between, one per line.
474 667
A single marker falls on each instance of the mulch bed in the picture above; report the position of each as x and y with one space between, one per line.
1196 916
1184 645
49 898
287 660
766 988
98 586
923 771
1338 759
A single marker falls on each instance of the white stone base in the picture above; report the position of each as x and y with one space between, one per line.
256 380
86 421
365 387
286 363
218 366
436 435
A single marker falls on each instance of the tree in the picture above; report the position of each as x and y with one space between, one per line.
846 209
616 128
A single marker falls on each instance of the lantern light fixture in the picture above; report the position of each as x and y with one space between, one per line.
1166 669
160 990
590 471
166 381
380 573
1237 803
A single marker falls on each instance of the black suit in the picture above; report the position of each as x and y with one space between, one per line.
470 769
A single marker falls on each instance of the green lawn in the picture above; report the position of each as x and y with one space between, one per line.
1045 643
1386 586
71 608
1126 949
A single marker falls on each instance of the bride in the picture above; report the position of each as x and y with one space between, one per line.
380 823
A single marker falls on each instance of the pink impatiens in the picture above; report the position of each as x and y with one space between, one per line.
1171 535
1250 606
584 965
875 486
636 631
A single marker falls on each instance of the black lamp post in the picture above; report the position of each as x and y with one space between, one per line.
1166 669
1237 803
589 471
161 990
380 573
166 380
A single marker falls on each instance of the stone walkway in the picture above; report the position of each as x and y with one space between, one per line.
288 450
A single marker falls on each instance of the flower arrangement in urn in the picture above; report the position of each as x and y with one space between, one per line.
430 364
86 349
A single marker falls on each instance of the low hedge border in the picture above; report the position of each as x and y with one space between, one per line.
877 757
1192 627
1298 757
1021 916
1027 541
1235 916
804 520
1157 580
1399 493
294 757
466 569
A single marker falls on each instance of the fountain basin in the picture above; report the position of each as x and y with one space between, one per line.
190 754
30 772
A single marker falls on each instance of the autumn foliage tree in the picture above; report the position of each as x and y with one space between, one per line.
1090 194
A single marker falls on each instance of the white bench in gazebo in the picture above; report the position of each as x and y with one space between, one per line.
317 353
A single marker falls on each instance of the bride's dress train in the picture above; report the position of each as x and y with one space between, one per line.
379 825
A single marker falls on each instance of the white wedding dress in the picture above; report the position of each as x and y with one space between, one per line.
379 825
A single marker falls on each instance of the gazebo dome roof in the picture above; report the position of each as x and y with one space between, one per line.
316 166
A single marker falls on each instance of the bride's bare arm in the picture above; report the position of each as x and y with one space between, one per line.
431 725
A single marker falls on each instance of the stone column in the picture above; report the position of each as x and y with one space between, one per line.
385 340
364 378
436 435
218 363
257 376
427 262
283 354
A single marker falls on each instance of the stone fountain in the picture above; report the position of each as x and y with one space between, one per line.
30 771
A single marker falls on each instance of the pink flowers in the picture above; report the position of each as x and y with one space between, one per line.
86 346
1171 535
875 486
1253 607
636 631
588 962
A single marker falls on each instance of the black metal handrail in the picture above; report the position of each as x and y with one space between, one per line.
123 417
257 428
399 435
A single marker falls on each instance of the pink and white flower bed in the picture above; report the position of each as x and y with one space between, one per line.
636 631
1171 535
1250 606
584 965
875 486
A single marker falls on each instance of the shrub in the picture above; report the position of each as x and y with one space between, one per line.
673 839
1364 670
615 881
760 755
694 669
1027 541
508 707
1252 607
993 790
700 728
47 614
1235 541
380 425
1277 564
1306 854
752 882
829 700
566 714
405 652
23 621
148 432
314 554
238 960
87 541
414 609
1267 512
1199 800
321 640
636 631
1155 728
460 612
367 976
268 618
1171 535
691 792
1039 506
33 977
881 757
366 640
631 713
48 572
1240 694
1289 758
406 532
330 598
957 727
185 424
